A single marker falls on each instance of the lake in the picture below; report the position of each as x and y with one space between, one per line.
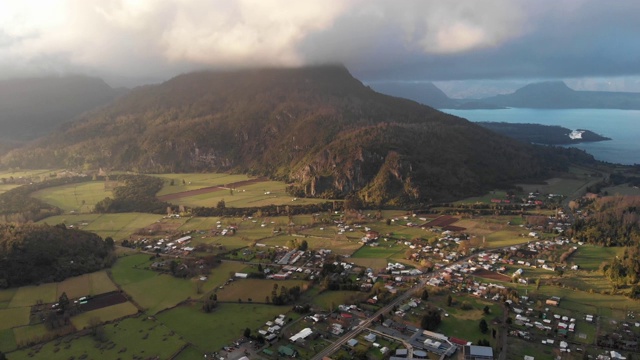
622 126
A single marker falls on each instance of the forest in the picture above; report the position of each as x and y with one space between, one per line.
33 254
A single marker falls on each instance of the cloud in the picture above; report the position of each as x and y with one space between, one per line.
453 39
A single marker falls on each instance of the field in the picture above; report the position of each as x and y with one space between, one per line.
155 291
105 314
13 317
589 257
209 332
504 238
87 284
188 182
329 300
117 226
130 338
79 198
30 295
248 195
618 190
384 251
257 290
484 199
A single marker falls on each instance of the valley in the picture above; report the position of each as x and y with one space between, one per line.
193 285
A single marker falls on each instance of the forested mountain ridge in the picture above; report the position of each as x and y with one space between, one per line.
32 107
316 127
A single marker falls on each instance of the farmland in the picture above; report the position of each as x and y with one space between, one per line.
255 290
117 226
79 198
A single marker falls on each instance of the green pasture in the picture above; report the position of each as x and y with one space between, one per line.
117 226
17 174
195 181
484 199
30 333
464 324
226 323
129 338
105 314
87 284
155 291
373 263
624 190
131 269
327 299
589 257
80 197
200 223
12 317
30 295
559 185
613 306
189 353
5 297
504 238
7 187
386 250
7 341
517 349
256 289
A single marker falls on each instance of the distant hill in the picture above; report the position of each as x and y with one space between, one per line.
30 108
557 95
315 127
423 92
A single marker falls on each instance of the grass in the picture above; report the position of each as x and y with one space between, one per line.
105 314
30 295
7 341
585 302
335 298
623 190
6 295
131 269
189 353
80 197
384 251
31 333
210 332
484 199
196 181
252 195
373 263
504 238
117 226
133 338
87 284
589 257
256 289
13 317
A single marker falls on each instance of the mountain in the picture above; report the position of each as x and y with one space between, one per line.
316 127
30 108
423 92
557 95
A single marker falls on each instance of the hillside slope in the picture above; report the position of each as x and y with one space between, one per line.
316 127
30 108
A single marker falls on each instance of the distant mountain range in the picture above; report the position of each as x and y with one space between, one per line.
544 95
30 108
317 128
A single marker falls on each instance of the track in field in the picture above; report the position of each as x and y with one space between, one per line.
210 189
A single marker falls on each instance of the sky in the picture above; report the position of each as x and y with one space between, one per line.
592 44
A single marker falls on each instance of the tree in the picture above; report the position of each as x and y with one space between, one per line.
247 332
109 242
486 310
63 302
221 204
483 326
3 356
449 300
304 245
431 320
425 295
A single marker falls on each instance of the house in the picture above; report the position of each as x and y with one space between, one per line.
352 343
287 351
301 335
474 352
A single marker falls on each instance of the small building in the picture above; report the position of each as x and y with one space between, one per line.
287 351
301 335
474 352
352 343
553 301
402 353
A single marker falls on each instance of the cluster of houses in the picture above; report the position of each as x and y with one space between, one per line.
178 246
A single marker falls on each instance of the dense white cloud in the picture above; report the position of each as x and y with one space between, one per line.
376 38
